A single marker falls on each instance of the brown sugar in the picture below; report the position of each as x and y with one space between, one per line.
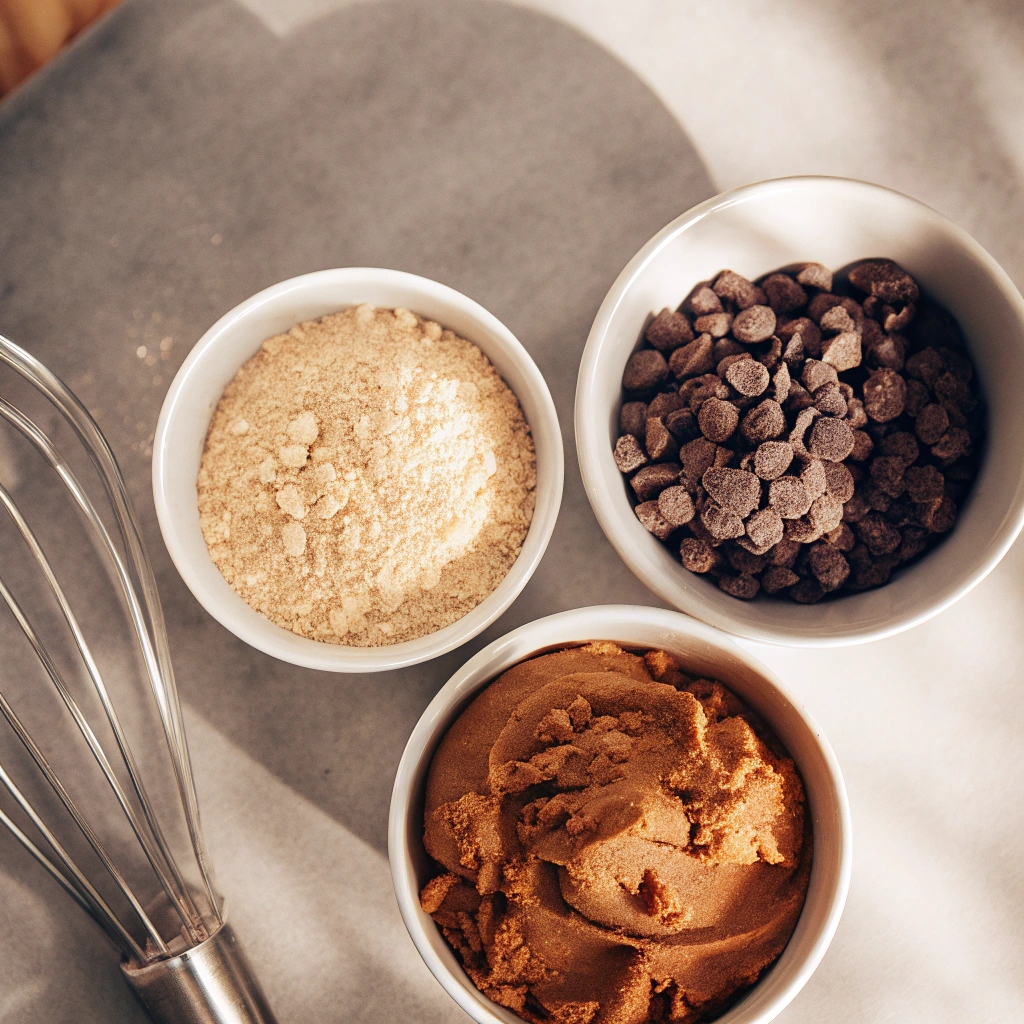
368 478
617 843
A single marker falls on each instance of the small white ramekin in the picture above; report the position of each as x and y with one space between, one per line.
701 649
834 221
236 337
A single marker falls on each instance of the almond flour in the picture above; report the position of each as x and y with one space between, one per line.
368 478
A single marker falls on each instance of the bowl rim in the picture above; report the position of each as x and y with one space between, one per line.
590 447
280 643
553 631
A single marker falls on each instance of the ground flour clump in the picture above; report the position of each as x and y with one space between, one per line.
368 478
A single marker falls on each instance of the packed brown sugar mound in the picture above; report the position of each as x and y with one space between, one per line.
368 478
620 843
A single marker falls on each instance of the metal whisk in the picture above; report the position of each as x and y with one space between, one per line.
95 778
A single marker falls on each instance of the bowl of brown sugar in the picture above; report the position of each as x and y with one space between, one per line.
357 469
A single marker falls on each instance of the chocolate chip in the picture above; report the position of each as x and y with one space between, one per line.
742 559
650 516
899 321
721 523
881 537
938 516
697 456
884 351
734 489
784 294
682 425
841 537
676 506
863 446
708 386
855 509
764 527
951 391
806 592
714 324
838 481
915 541
664 403
738 290
821 304
769 353
855 414
812 476
954 444
633 419
645 370
668 330
747 377
660 444
814 275
697 555
692 359
804 419
932 423
836 320
829 567
924 483
830 439
754 324
808 332
725 363
717 419
926 365
825 513
887 474
816 373
828 399
799 399
704 301
793 352
782 382
901 444
764 422
842 351
885 280
788 496
803 531
885 395
726 347
870 572
776 578
772 459
742 586
650 481
628 454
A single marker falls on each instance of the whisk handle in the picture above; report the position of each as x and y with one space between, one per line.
212 983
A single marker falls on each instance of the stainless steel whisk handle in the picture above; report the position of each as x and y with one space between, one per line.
211 983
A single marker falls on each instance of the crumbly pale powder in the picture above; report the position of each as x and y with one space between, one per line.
368 478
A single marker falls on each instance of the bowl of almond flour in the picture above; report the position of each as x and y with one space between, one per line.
357 469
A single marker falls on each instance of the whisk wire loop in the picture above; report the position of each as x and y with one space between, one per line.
156 853
77 886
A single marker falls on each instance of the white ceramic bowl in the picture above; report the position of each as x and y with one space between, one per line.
834 221
703 650
197 388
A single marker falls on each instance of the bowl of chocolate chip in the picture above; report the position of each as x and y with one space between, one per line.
797 414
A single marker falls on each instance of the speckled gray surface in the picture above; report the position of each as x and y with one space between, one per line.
180 158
